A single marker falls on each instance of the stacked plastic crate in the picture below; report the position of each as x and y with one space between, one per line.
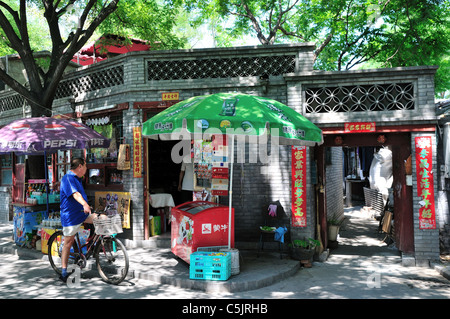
210 265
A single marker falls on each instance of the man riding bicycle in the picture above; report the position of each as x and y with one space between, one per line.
73 207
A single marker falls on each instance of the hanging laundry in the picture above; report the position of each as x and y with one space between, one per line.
273 210
279 234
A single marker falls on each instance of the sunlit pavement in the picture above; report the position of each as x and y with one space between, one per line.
362 267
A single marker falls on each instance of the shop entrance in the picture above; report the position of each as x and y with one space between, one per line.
357 154
161 185
163 173
161 178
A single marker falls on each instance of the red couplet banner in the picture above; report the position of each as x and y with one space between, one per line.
425 183
137 154
298 191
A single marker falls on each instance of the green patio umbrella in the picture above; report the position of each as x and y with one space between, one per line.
232 114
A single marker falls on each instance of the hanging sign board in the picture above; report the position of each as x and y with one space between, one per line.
298 171
170 96
359 127
425 182
137 152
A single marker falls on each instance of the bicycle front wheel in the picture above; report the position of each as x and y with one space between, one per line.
55 244
112 260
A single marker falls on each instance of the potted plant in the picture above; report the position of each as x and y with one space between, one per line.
303 249
333 228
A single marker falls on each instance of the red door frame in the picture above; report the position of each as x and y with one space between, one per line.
156 107
400 140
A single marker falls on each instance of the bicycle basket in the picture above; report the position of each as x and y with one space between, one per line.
108 225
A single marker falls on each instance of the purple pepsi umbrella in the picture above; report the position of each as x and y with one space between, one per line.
38 135
43 135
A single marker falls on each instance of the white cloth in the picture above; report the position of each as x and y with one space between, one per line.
188 179
161 200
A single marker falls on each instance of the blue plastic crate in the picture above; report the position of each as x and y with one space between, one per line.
208 273
210 266
210 259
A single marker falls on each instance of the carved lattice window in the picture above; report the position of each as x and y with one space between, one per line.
220 67
360 98
91 82
11 102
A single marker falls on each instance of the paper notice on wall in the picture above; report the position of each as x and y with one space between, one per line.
123 160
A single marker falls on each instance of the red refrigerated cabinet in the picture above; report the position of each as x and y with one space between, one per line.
199 224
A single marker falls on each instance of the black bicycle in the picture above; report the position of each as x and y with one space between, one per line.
110 254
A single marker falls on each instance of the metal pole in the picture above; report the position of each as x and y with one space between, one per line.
230 193
46 179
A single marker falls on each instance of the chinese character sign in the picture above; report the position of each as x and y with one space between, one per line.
425 184
137 153
355 127
170 96
298 170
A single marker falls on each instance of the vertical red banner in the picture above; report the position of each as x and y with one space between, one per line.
298 171
425 183
137 153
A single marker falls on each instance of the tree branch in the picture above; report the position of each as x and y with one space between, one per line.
41 93
256 25
13 38
16 86
74 43
322 46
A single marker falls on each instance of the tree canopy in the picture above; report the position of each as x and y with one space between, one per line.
42 83
69 25
153 21
348 33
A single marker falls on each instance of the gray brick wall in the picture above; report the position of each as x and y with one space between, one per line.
426 241
421 77
5 199
255 184
134 185
334 186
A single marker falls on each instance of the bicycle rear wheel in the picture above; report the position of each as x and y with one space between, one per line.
55 244
112 260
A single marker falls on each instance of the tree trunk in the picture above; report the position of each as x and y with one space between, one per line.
38 110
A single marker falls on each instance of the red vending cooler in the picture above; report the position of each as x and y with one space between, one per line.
199 224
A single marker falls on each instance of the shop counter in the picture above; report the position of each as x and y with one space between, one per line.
161 200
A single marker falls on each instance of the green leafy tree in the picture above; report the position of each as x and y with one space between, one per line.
347 33
418 33
42 83
38 32
151 20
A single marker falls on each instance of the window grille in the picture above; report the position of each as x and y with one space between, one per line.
360 98
91 82
11 102
220 67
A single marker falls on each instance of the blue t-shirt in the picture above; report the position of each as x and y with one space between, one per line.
72 212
